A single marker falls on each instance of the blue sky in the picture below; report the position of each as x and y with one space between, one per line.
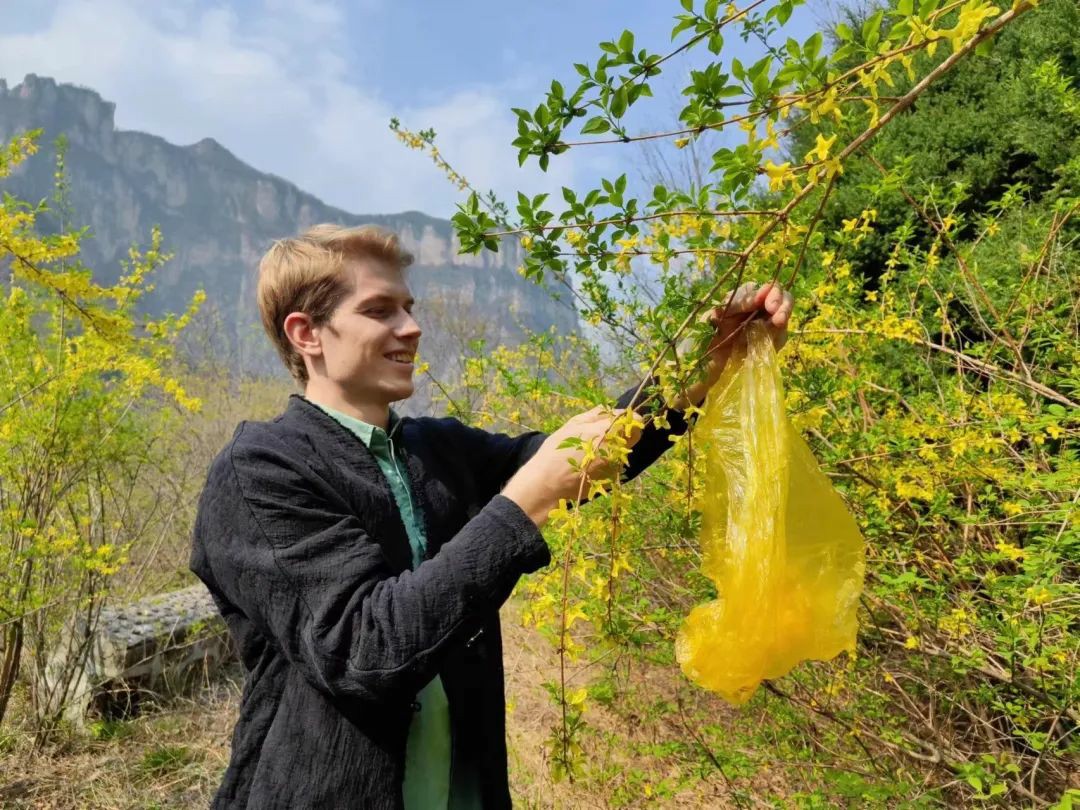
305 89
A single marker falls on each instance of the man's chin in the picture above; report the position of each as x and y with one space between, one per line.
401 392
384 392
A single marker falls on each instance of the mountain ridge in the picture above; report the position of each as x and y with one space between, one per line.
218 215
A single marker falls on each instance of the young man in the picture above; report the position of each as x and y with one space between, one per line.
360 558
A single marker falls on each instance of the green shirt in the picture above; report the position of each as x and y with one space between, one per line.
427 751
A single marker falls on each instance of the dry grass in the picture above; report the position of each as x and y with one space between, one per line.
172 755
640 750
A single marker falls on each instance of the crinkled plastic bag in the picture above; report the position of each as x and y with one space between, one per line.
785 554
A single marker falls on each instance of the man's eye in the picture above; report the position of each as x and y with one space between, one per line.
375 312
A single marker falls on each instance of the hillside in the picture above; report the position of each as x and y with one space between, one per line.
219 214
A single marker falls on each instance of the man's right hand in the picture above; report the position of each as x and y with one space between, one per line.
552 473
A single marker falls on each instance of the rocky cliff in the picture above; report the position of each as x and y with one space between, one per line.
218 216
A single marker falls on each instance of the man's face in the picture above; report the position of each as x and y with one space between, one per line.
369 344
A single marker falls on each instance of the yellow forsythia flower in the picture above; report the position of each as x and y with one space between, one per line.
821 148
778 175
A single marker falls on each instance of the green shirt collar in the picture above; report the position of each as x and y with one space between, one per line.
373 436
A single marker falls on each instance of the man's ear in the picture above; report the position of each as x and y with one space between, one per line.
303 334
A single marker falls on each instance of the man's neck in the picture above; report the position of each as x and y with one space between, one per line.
374 413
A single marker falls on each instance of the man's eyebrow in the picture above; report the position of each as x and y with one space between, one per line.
379 298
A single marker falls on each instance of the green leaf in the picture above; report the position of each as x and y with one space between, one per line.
760 69
762 85
626 41
542 116
871 30
618 102
685 21
843 32
596 126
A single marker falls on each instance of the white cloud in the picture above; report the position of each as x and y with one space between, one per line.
276 88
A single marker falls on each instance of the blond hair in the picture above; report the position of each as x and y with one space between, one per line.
305 274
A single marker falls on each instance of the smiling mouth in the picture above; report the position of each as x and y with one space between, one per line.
404 358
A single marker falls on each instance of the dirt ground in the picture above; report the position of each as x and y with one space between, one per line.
172 755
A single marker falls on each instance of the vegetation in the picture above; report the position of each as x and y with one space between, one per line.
917 187
81 397
933 370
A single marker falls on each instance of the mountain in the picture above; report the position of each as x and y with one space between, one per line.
218 215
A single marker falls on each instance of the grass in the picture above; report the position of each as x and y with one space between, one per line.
170 756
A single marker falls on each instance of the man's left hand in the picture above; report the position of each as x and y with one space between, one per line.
770 302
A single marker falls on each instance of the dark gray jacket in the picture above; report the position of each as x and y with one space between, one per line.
301 544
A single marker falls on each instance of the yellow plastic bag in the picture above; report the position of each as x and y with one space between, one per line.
785 554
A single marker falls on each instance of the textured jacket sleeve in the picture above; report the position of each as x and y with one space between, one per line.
278 542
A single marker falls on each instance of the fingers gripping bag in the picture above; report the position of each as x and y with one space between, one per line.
785 554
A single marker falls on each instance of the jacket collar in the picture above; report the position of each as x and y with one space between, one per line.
345 451
371 435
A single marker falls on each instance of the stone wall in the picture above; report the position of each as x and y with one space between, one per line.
157 646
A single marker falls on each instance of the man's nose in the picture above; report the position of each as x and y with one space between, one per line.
409 328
